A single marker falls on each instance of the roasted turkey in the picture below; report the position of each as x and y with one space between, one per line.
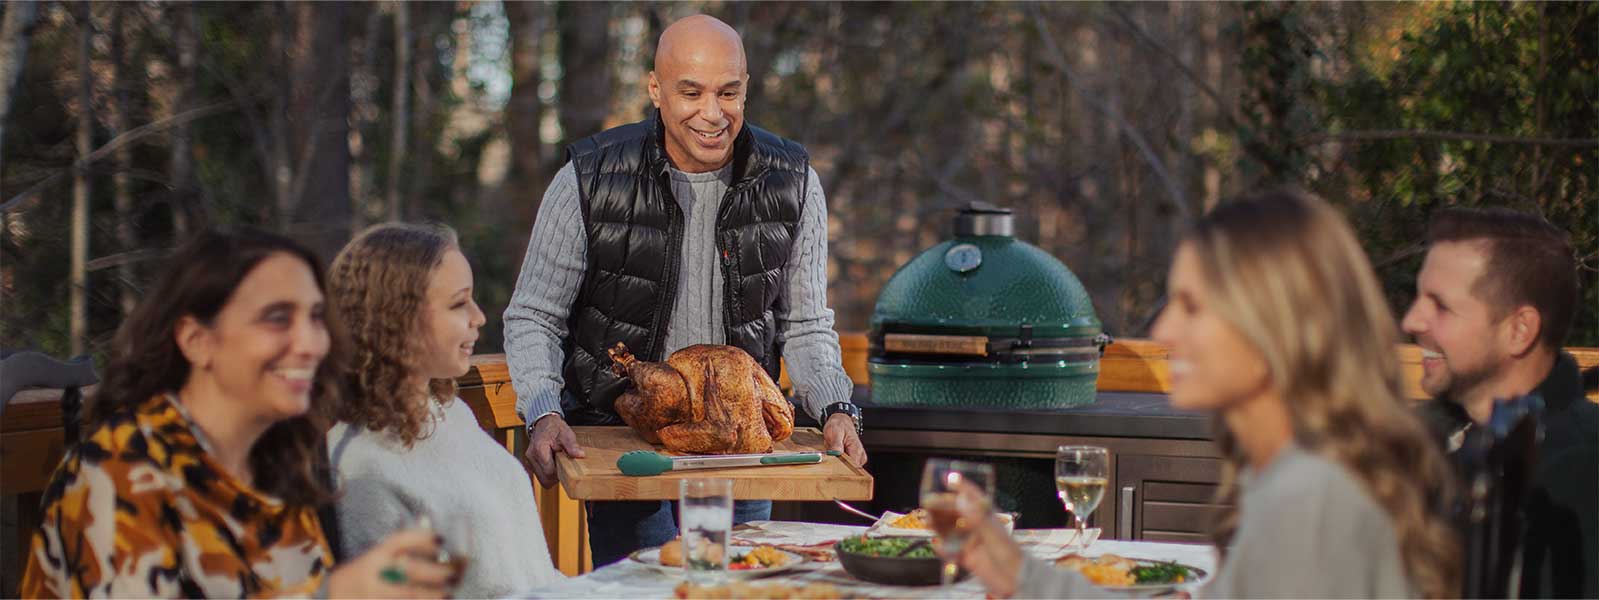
704 399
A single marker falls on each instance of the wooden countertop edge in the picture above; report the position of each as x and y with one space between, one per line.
566 469
1129 365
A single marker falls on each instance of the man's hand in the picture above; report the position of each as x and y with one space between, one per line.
550 434
839 434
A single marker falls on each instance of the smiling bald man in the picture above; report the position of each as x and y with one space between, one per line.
689 227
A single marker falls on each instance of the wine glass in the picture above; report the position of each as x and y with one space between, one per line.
455 531
1080 479
949 488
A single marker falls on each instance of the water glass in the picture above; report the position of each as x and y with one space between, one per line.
706 522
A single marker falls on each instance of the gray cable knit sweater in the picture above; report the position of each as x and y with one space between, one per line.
557 256
1307 529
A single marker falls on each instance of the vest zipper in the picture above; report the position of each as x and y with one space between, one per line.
725 252
674 243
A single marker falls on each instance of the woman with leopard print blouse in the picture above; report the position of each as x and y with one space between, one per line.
204 466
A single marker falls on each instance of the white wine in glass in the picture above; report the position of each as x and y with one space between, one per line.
949 488
1080 479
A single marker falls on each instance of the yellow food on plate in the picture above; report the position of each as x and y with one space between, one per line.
774 591
1106 570
1107 575
917 519
672 553
763 556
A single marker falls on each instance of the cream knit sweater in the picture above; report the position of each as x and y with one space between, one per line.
467 485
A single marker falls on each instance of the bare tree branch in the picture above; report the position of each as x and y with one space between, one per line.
1417 134
125 258
1226 109
1057 58
132 135
259 133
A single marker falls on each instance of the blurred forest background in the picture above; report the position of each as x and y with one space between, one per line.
128 125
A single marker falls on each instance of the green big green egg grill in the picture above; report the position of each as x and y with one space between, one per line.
984 320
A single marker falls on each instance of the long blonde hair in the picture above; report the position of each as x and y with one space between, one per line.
1287 272
378 285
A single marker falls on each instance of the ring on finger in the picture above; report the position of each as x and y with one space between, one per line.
393 574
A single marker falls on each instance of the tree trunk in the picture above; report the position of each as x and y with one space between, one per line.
79 275
585 96
364 113
523 112
127 235
186 46
281 172
14 37
320 103
1210 38
400 115
429 21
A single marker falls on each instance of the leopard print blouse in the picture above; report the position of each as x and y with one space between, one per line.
141 509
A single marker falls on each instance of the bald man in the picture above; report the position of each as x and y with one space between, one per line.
689 227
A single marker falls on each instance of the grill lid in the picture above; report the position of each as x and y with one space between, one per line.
984 296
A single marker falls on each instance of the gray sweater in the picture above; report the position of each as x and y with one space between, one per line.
1306 529
477 495
557 256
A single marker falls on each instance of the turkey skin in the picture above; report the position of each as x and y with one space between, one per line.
704 399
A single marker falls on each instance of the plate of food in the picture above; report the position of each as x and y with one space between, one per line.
916 523
747 591
749 563
1121 573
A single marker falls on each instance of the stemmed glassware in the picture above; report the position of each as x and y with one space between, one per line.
1080 478
949 488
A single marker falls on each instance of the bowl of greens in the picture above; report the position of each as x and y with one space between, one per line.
891 560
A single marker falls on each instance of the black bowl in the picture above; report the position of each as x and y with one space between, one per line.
893 570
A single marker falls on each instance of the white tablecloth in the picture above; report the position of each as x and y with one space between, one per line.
633 581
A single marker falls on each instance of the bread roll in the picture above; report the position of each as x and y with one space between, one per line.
672 553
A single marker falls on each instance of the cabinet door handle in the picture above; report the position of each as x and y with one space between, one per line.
1124 514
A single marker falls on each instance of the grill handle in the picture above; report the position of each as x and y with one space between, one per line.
1124 514
976 345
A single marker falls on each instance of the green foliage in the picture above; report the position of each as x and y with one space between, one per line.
908 109
1520 72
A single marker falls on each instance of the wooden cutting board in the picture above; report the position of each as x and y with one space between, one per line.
595 477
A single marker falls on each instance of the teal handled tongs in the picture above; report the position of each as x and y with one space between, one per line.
643 463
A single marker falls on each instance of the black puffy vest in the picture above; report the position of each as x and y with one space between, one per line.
635 241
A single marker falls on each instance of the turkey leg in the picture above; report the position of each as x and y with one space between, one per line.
776 411
659 396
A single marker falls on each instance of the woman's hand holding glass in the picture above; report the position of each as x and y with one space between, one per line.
987 549
952 489
992 556
403 565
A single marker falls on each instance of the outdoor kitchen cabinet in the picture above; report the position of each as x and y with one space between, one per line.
1164 468
1165 498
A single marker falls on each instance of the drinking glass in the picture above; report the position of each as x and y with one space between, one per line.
950 487
1080 479
455 531
706 522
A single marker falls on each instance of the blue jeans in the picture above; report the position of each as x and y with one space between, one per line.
616 529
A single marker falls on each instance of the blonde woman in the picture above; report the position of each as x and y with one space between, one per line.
1276 326
406 447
